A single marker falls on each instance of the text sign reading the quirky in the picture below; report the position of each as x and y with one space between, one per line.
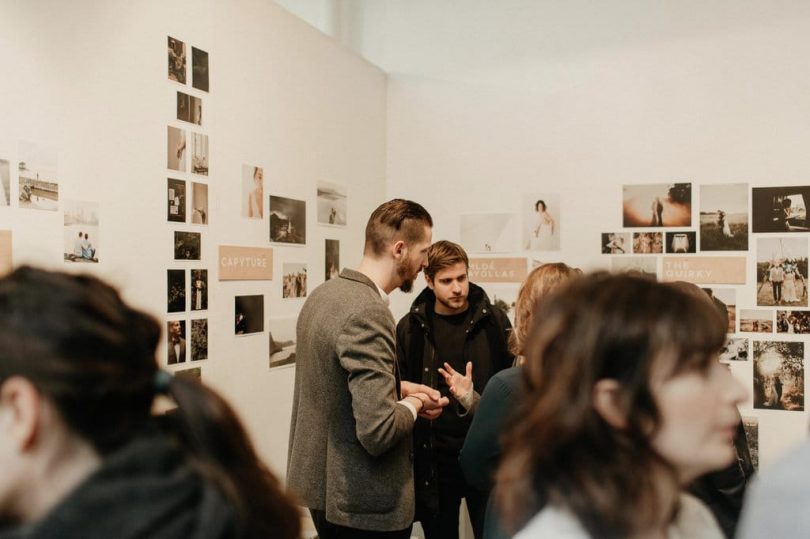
705 269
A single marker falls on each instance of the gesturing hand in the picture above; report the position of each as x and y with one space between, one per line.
461 386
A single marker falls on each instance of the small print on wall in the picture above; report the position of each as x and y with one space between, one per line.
39 187
199 339
647 265
779 375
189 108
724 217
294 280
248 314
199 203
5 181
648 243
615 243
797 322
176 149
199 289
187 245
781 271
176 190
199 69
199 154
756 321
252 192
6 260
176 341
780 209
176 290
681 242
331 259
503 296
735 349
664 204
487 232
726 300
331 206
177 60
288 220
81 233
541 224
751 426
282 341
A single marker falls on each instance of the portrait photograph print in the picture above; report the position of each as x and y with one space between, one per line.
331 204
756 321
175 341
780 209
199 154
503 296
648 243
39 186
189 108
797 322
541 221
288 220
176 290
726 300
252 192
616 243
177 60
735 349
779 375
176 190
186 245
199 339
487 232
781 271
199 203
199 69
176 149
294 280
5 182
684 242
282 341
724 217
199 289
331 259
248 314
81 233
663 204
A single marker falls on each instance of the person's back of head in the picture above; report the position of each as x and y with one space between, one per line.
394 220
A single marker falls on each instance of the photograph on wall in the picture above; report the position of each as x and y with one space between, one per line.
177 60
176 290
751 426
646 265
487 233
541 222
189 108
288 220
756 321
331 205
725 299
797 322
176 190
39 187
294 280
193 374
735 349
248 314
176 149
199 154
199 339
6 258
5 182
681 242
648 243
199 289
81 233
252 192
779 375
724 217
175 341
331 259
663 204
780 209
282 341
199 69
199 203
503 296
782 271
616 243
187 245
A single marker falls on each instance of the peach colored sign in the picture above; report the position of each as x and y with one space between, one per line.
245 263
498 270
704 269
5 251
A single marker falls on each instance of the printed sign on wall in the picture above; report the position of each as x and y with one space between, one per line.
245 263
498 270
705 269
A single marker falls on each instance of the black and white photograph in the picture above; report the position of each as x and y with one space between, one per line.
751 426
39 186
189 108
199 69
81 233
199 203
331 204
682 242
503 296
248 314
724 217
187 245
282 341
331 259
616 243
646 265
645 243
488 232
735 349
176 190
797 322
782 271
725 299
175 342
199 339
541 221
199 289
663 204
252 192
288 220
779 375
176 290
176 149
177 60
294 280
199 154
756 321
5 183
780 209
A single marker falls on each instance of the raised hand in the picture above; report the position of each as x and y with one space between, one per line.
461 386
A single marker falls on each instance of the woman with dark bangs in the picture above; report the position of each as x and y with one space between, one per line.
624 404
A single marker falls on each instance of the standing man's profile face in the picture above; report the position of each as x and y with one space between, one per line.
174 330
413 259
451 287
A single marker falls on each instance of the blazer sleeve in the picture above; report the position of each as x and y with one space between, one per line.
365 350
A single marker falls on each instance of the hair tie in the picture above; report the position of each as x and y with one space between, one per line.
163 380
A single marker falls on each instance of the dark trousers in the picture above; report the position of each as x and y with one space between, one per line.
327 530
777 290
452 488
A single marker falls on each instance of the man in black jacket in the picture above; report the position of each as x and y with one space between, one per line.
453 340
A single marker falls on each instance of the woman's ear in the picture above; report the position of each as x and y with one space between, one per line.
607 403
20 412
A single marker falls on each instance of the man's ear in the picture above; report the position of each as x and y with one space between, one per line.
20 411
606 397
428 280
399 250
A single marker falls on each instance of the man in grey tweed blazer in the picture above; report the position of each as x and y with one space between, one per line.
349 457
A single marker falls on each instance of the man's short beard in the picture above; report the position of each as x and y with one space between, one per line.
402 272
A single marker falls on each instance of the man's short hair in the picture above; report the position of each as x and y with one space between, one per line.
444 254
395 220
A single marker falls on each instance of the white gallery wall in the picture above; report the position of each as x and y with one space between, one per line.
89 79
